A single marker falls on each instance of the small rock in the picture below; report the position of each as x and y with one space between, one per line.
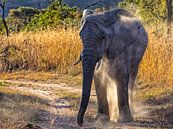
31 126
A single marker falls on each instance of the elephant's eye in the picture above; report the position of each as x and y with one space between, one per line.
103 37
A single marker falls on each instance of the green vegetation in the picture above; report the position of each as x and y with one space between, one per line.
20 17
56 14
1 26
151 11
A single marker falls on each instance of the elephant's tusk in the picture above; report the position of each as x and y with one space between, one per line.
78 61
98 62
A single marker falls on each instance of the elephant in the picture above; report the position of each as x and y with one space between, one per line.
114 43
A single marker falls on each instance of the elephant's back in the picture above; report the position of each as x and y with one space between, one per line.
129 27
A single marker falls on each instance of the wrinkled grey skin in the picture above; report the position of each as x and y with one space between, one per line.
113 45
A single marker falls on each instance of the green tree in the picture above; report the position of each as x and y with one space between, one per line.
151 11
18 18
56 14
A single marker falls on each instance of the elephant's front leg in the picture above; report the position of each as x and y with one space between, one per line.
122 79
103 109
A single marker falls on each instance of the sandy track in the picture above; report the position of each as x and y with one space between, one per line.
62 114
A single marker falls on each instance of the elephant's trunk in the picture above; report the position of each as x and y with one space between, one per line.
89 62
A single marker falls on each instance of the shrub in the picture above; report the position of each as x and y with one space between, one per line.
57 14
23 12
150 11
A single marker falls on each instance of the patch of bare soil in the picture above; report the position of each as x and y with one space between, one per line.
54 106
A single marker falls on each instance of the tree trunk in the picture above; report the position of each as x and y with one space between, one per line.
169 18
3 17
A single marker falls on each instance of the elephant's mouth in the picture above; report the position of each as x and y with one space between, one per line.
80 59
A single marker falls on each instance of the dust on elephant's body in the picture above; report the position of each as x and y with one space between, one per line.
113 45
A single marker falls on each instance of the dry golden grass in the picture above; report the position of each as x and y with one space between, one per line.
46 50
44 77
57 49
157 64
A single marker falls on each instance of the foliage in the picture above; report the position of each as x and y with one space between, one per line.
18 18
1 25
23 12
56 14
151 11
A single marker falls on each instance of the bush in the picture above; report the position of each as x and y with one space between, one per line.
18 18
57 14
23 12
150 11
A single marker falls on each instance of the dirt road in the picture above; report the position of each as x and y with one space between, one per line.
54 106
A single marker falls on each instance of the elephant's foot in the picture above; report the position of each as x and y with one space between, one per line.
102 117
125 117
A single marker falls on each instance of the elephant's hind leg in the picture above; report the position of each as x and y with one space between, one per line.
131 86
121 76
137 54
123 104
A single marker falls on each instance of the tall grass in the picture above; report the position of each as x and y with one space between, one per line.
46 50
157 64
57 49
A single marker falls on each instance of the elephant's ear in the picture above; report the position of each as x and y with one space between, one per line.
107 19
86 13
114 15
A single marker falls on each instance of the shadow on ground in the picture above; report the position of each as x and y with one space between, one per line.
160 111
18 110
150 121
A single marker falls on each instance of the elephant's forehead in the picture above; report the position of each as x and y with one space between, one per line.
95 18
